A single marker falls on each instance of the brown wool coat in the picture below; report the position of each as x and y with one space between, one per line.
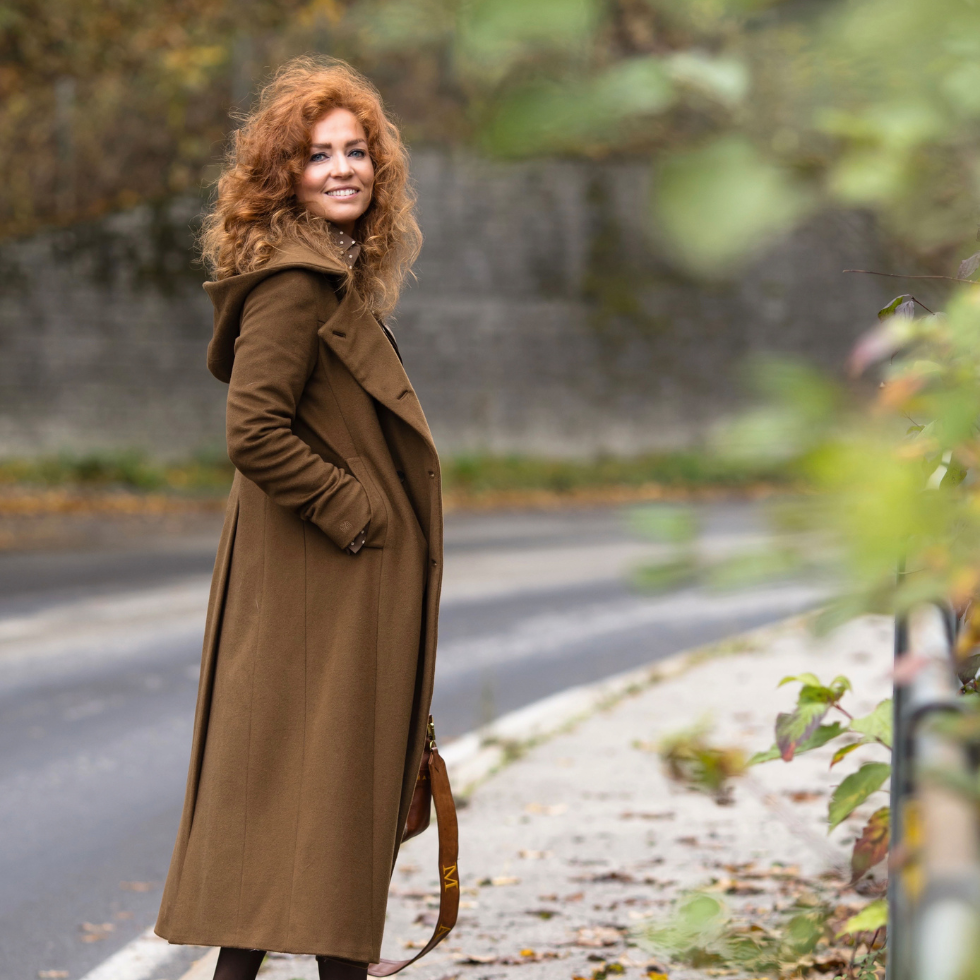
317 669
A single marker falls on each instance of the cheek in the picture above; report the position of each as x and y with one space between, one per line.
312 180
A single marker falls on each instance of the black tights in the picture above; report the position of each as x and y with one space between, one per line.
243 964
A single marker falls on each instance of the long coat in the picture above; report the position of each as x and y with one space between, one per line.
316 675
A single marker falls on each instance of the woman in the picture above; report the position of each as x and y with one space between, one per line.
320 642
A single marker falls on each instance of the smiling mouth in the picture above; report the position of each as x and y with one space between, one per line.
343 192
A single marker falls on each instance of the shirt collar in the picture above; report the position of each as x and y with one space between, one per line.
351 249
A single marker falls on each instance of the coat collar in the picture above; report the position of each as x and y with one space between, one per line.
352 332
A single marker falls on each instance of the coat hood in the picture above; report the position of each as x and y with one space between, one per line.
229 295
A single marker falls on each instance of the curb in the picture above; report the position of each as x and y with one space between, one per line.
137 960
475 757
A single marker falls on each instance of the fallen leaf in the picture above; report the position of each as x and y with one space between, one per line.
631 815
553 810
543 913
624 877
93 932
574 897
123 915
477 960
805 795
534 855
52 974
414 943
732 886
415 893
501 880
597 936
690 841
137 886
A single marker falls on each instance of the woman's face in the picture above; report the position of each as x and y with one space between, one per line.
339 175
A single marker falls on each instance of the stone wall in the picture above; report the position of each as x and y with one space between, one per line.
542 319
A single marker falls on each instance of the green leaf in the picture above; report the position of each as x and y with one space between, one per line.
870 918
820 737
719 204
802 934
872 846
855 789
903 305
767 756
810 680
845 750
724 79
796 727
877 726
494 34
552 116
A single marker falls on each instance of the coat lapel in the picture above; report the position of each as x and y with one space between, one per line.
357 338
352 333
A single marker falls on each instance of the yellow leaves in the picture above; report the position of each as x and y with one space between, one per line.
93 932
895 395
329 10
193 66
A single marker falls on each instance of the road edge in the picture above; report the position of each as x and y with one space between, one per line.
479 755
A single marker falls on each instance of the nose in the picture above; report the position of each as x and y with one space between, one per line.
340 166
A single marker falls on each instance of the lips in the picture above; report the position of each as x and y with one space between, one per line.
339 193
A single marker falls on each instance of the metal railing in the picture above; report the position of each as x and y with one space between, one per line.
934 878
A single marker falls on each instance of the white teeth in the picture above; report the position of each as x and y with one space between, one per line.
343 192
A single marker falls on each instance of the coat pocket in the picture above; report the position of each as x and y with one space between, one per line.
378 528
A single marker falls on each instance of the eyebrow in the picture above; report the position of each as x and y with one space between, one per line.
329 146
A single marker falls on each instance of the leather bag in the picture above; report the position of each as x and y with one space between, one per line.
432 786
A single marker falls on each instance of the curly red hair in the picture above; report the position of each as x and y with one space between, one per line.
256 211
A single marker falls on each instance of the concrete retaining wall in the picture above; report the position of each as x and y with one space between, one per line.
542 319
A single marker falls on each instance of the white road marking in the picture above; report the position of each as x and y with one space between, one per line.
137 960
550 634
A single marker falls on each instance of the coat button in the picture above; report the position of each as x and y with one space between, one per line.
432 474
434 563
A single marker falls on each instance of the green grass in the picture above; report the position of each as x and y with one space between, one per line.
466 475
128 469
680 469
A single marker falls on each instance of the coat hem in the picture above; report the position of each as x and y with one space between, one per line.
235 942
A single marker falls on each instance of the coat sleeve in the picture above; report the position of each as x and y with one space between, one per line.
275 354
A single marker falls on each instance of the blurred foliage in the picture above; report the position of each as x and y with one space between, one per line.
892 477
690 758
476 474
205 473
803 939
753 112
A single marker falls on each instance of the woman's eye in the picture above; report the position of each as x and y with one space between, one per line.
317 157
357 153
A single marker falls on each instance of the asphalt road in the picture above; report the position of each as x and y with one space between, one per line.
99 659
